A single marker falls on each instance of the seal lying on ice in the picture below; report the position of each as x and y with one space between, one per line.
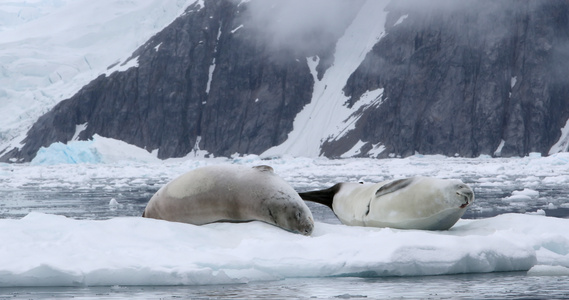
411 203
231 193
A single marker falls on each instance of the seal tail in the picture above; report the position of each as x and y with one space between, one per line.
325 196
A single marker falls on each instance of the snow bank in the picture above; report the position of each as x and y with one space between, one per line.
50 250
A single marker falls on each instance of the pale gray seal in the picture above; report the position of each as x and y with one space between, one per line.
231 193
411 203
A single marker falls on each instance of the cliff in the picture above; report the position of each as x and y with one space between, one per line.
473 78
468 78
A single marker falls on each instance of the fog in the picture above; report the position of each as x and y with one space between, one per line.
313 26
301 25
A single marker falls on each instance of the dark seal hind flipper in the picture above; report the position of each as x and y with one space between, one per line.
393 186
264 168
325 197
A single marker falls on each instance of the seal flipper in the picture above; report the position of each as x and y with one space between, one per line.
393 186
325 197
264 168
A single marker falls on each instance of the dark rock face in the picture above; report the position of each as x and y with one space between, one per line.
459 77
164 102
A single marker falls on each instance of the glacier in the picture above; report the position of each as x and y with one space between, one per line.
50 49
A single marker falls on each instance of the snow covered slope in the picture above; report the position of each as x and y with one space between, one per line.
50 49
327 114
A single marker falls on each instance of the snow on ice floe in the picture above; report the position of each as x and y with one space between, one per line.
49 250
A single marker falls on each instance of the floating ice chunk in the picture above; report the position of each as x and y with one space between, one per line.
72 153
528 192
98 150
541 270
556 159
520 198
113 202
524 195
534 155
552 180
539 212
247 159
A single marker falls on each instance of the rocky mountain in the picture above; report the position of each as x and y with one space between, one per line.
466 78
367 78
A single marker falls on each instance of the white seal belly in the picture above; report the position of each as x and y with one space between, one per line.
411 203
231 193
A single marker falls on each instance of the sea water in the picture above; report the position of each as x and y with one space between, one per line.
100 192
467 286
